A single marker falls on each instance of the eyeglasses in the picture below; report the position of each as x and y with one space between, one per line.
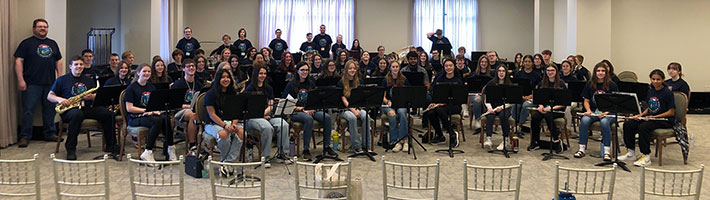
303 70
551 70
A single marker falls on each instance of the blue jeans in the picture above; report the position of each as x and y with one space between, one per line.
477 106
307 120
606 123
156 123
266 128
357 139
503 118
523 111
229 147
397 132
34 95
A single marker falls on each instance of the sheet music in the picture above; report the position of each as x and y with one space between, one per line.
285 106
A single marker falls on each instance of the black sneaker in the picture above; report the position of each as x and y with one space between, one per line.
71 154
359 151
454 140
53 138
533 145
307 155
23 143
438 139
329 152
558 146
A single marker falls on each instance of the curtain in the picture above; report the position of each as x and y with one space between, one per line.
457 19
165 46
8 89
295 18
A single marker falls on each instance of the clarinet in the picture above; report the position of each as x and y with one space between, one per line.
625 117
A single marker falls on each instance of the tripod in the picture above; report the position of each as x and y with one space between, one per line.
502 95
107 96
286 108
244 107
165 101
322 99
451 95
551 97
367 97
408 97
617 103
527 87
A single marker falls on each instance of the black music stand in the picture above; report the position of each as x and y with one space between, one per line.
409 97
162 86
640 89
165 101
527 86
277 81
244 107
374 80
175 75
476 83
415 78
618 103
108 96
322 99
368 98
283 107
450 94
552 97
327 82
501 95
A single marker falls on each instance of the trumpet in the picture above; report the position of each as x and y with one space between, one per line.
74 101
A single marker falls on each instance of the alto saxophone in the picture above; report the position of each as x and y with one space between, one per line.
74 101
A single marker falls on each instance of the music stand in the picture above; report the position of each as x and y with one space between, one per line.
327 82
501 95
374 80
368 98
409 97
108 96
414 78
476 83
164 101
175 75
527 86
575 90
277 81
244 107
618 103
552 97
162 86
640 89
450 94
322 99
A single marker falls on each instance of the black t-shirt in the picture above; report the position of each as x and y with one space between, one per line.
203 76
679 85
107 72
569 78
241 47
388 88
588 92
138 95
377 72
172 67
188 46
268 91
336 48
582 74
218 50
307 46
191 88
660 101
211 100
322 44
117 81
91 73
368 67
300 94
443 45
278 46
68 86
534 76
40 60
436 65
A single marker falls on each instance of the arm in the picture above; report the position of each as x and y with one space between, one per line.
133 109
587 107
59 67
269 107
429 34
51 97
21 84
668 113
211 113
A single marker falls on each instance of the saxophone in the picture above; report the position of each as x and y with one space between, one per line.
74 101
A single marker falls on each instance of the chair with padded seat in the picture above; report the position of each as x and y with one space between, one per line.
140 132
343 124
297 127
384 132
455 118
496 122
628 76
661 134
86 126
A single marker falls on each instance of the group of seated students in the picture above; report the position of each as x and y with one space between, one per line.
246 70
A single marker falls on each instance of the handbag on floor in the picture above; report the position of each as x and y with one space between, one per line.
355 192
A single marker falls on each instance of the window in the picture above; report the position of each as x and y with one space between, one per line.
457 19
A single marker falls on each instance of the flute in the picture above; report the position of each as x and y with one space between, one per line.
484 114
625 117
552 111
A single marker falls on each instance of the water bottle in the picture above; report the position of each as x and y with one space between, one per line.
336 139
691 141
601 146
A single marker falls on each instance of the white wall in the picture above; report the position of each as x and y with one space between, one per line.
135 29
594 31
82 15
376 18
209 20
506 26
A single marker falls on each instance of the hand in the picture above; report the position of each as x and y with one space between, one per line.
65 102
602 115
541 109
636 117
21 85
389 103
267 117
356 112
310 112
588 113
498 109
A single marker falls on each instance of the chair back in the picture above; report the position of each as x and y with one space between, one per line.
492 179
672 183
681 105
122 108
412 178
325 179
157 176
200 109
628 76
247 186
80 175
584 181
19 175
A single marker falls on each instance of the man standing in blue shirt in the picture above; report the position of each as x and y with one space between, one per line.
323 42
188 44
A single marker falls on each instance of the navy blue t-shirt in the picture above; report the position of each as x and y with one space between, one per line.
278 46
336 48
388 88
369 66
138 95
242 46
92 73
322 44
534 76
301 93
582 74
211 100
117 81
40 60
443 45
68 86
188 46
307 46
679 85
268 91
588 92
203 76
660 101
190 87
173 67
452 109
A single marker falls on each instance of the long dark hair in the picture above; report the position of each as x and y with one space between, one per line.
254 80
217 87
546 80
542 61
607 77
154 76
295 82
660 73
496 79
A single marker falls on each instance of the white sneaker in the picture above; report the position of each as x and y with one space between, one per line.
405 147
476 124
171 153
643 161
507 145
397 148
488 142
147 155
630 155
464 110
267 164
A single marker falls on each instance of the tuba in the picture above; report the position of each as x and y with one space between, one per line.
74 101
